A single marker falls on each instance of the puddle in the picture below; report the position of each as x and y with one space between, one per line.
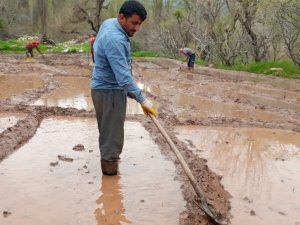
75 92
256 94
202 108
72 92
199 107
9 119
14 85
260 168
34 192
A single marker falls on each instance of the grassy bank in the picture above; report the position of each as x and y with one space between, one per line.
289 70
144 54
18 46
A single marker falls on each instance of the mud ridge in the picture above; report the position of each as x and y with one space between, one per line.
248 91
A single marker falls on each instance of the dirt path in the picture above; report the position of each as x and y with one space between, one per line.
206 97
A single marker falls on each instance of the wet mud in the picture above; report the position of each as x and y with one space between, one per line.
259 168
206 97
48 182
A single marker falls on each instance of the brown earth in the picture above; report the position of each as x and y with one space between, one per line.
261 101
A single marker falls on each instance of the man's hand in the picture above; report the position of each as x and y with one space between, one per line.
147 106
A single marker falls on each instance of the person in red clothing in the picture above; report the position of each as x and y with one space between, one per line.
30 46
92 39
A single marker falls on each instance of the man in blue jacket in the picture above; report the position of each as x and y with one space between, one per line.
112 81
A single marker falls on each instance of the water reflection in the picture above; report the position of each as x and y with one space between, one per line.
204 108
72 92
260 169
111 210
10 87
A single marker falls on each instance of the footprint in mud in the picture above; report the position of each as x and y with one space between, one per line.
6 214
79 147
247 200
54 163
65 158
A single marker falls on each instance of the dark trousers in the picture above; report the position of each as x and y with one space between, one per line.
110 106
92 53
191 61
29 52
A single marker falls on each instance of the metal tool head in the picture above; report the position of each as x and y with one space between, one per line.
212 214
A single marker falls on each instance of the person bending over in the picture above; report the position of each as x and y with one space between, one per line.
190 57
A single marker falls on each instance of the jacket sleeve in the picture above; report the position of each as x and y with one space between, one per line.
120 63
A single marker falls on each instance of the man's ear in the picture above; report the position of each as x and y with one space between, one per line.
121 17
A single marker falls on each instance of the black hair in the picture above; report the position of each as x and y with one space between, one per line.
133 7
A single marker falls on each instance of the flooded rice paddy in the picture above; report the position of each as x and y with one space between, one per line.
40 187
238 132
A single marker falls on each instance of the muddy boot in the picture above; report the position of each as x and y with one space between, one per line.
109 168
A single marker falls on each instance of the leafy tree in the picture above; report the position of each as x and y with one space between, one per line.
89 11
2 28
288 18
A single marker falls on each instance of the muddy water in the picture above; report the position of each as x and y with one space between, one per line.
255 94
35 192
199 92
208 108
15 85
72 92
75 92
260 168
200 107
9 119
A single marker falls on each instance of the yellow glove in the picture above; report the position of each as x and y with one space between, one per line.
147 106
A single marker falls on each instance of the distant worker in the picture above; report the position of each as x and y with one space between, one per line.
112 81
30 46
190 57
92 39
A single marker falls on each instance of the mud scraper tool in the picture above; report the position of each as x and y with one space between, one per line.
209 211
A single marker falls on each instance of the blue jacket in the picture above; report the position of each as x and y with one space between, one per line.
113 61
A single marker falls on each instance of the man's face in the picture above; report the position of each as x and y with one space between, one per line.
130 24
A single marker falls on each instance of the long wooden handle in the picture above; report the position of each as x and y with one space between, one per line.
210 212
180 158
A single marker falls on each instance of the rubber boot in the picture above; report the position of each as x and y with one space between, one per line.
109 168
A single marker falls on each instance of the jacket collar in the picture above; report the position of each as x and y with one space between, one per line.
118 25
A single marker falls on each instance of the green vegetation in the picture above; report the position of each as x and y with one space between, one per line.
18 46
200 62
289 69
144 54
67 47
11 46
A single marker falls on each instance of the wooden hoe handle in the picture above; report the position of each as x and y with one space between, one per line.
204 206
